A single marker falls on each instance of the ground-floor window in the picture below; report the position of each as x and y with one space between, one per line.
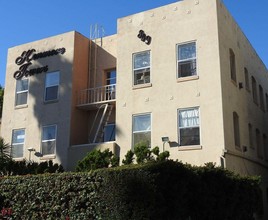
17 146
142 129
49 134
188 126
109 132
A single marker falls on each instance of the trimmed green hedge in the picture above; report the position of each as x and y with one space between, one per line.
164 190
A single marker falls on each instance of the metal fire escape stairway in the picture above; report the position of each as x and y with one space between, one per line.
107 111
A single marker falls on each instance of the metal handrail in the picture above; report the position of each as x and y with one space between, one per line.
97 95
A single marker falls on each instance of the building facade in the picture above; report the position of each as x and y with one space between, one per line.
184 72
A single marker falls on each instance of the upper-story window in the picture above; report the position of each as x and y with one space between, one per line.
246 79
259 143
110 84
254 89
17 146
141 67
266 98
236 129
250 136
111 77
232 65
22 88
188 124
265 146
186 60
261 97
52 86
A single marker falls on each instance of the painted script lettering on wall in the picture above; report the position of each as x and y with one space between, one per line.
26 58
145 38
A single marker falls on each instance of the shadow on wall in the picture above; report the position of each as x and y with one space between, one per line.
49 74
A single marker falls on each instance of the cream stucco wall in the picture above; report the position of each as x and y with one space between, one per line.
37 113
168 26
241 101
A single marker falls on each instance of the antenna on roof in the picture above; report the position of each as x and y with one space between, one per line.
96 33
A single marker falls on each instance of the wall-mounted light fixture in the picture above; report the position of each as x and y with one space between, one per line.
165 140
30 149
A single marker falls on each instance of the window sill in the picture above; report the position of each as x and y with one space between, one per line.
51 101
234 82
21 106
190 147
48 157
19 159
256 103
238 148
187 78
142 86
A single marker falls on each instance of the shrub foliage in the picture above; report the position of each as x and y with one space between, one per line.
156 190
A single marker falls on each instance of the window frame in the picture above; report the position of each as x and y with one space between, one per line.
178 61
179 127
21 92
50 86
266 99
110 88
261 97
47 140
12 143
232 62
265 146
247 83
142 131
113 133
134 84
254 90
236 130
250 136
258 143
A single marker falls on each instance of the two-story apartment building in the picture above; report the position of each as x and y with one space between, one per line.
183 72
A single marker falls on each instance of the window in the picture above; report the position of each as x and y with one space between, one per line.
258 143
141 68
111 77
261 97
189 133
266 98
109 132
232 65
52 86
236 129
49 140
250 135
142 129
246 79
265 146
22 91
110 84
186 60
17 145
254 90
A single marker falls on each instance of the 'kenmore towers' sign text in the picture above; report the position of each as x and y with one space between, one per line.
24 61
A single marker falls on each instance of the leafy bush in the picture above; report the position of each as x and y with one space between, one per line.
97 159
157 190
129 157
144 154
13 168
